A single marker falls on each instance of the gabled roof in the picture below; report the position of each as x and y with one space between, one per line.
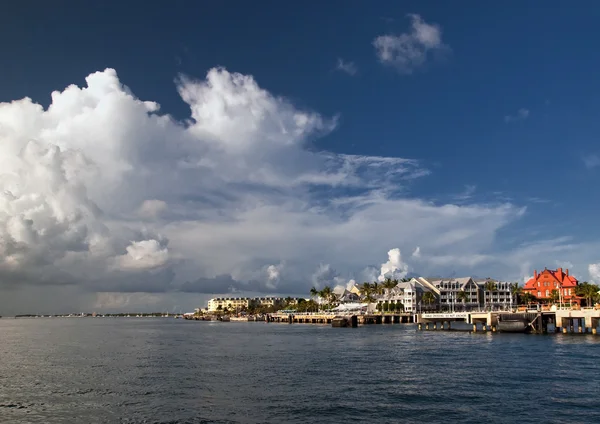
462 281
558 275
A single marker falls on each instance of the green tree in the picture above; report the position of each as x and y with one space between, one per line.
463 296
489 288
588 291
428 298
367 293
376 288
527 297
515 292
314 294
554 296
325 294
389 284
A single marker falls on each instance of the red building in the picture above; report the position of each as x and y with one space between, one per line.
542 284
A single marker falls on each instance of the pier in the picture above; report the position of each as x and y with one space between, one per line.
563 320
327 318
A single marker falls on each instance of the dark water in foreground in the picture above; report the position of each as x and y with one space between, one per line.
160 370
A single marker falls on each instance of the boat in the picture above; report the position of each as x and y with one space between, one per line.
224 318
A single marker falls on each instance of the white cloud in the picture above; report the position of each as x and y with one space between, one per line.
591 161
394 267
273 275
521 115
145 254
348 67
241 192
410 51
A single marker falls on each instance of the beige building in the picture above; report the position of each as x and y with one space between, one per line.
222 303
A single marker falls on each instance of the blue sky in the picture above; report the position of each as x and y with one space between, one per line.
495 106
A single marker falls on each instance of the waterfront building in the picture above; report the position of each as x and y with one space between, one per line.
356 289
449 293
408 293
542 284
500 297
345 296
237 303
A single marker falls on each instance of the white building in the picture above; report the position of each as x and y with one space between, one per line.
408 293
500 297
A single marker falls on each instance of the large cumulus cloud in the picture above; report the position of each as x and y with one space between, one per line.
103 190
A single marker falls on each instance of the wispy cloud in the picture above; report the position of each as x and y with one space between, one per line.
521 115
537 200
467 193
410 51
348 67
591 161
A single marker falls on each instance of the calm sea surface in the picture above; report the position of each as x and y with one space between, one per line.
161 370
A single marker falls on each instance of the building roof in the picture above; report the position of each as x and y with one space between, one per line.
562 277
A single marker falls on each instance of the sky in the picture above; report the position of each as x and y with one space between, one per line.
153 156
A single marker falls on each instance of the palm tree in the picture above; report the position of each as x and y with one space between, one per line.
389 283
333 298
527 297
428 297
314 294
554 296
463 297
490 287
368 298
366 288
326 295
587 291
377 288
515 291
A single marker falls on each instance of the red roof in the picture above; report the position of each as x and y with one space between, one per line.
558 275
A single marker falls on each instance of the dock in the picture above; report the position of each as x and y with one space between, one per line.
565 320
327 318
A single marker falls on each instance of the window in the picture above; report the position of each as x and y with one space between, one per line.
569 292
538 283
547 293
539 294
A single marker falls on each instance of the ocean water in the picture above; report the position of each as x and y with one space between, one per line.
160 370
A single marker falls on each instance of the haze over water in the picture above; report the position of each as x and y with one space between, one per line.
159 370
